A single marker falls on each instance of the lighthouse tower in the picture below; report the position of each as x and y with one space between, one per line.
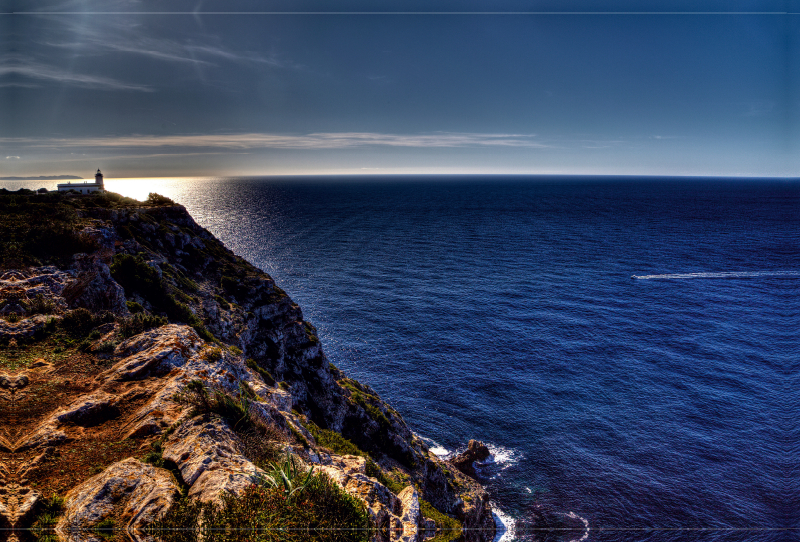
98 180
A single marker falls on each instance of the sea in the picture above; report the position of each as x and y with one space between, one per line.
628 348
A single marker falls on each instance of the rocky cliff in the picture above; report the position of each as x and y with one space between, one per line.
145 368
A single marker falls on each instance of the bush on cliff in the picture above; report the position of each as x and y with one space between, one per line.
260 441
137 276
80 322
322 512
139 322
158 199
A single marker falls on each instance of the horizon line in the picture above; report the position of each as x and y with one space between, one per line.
195 13
432 174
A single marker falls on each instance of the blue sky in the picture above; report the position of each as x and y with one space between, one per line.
242 87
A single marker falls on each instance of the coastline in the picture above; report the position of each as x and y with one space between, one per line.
239 329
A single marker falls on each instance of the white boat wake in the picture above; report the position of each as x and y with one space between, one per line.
721 275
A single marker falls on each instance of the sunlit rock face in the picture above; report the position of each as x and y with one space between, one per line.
100 363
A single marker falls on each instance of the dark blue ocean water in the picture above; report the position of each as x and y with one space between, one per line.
504 309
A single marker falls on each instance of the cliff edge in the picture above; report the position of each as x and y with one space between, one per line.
150 377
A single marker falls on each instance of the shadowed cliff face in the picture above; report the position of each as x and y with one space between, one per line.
99 350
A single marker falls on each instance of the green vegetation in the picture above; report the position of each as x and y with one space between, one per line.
448 528
105 527
47 517
137 276
158 199
44 229
288 476
321 512
311 333
134 307
260 442
333 440
266 375
139 322
234 410
381 441
223 303
41 305
80 322
212 354
395 483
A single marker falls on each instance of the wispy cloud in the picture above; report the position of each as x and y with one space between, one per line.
26 68
122 36
335 140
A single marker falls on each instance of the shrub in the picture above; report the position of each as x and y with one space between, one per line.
234 410
47 517
333 441
266 375
374 471
134 307
41 305
450 528
139 322
212 354
79 322
323 512
158 199
135 275
222 302
288 477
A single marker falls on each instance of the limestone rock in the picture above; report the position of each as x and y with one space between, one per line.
209 457
154 352
46 434
90 410
411 518
134 493
94 288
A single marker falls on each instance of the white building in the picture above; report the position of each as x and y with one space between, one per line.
84 187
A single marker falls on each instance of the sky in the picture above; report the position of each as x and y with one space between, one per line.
143 88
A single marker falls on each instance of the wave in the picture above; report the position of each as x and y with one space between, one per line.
437 449
585 521
721 275
500 459
503 525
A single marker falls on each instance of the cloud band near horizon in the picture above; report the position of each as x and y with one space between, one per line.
331 140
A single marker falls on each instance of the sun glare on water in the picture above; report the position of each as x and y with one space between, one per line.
139 188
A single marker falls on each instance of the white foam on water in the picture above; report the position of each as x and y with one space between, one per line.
501 458
503 524
721 275
585 521
437 449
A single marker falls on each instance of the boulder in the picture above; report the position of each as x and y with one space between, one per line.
476 451
209 457
133 493
154 352
90 410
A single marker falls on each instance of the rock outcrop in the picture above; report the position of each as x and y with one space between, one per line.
129 492
476 451
100 398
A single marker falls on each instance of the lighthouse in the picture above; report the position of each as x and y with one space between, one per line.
84 187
